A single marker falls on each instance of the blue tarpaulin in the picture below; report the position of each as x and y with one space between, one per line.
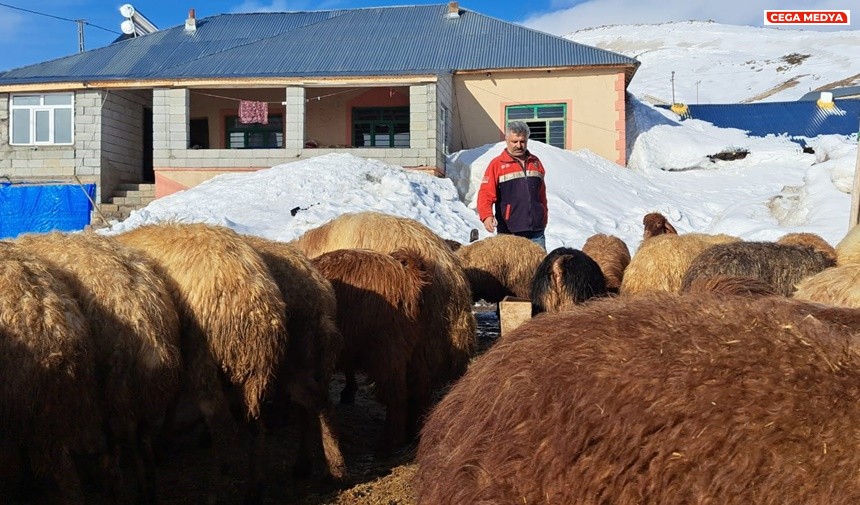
29 208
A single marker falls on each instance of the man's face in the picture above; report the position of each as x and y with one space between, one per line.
517 144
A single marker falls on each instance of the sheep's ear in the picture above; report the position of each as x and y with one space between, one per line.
557 274
668 228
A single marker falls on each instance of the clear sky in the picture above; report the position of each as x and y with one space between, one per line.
27 38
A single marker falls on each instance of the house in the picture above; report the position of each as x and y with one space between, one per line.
406 85
795 119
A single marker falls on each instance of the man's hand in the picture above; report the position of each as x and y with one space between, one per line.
490 224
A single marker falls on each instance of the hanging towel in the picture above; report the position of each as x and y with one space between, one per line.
253 112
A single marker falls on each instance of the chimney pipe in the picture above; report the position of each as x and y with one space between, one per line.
453 10
191 22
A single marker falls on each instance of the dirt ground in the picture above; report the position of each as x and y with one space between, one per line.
182 473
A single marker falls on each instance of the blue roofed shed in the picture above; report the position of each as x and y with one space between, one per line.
238 92
795 119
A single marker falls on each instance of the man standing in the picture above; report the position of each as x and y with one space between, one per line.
514 182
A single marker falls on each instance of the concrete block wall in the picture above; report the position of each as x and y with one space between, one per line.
38 162
170 136
122 137
294 119
422 127
444 124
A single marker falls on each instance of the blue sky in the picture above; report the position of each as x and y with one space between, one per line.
27 38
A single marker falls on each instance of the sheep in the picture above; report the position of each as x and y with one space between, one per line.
314 343
660 262
448 314
564 278
135 334
453 244
656 224
660 399
48 388
613 256
379 312
781 266
810 240
730 285
839 285
848 249
500 266
232 318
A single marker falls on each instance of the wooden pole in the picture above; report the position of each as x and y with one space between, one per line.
855 190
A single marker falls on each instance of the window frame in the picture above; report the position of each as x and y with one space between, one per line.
392 124
41 107
547 121
255 128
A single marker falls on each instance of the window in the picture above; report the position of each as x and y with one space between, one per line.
380 127
546 122
42 119
255 135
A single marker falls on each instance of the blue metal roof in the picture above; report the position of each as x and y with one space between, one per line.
795 119
370 41
836 92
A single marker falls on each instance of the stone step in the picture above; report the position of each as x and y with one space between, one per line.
131 186
132 200
142 193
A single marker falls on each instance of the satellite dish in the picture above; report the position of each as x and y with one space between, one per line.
127 27
127 11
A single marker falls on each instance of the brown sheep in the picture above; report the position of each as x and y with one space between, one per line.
232 316
135 332
500 266
730 285
314 344
48 390
660 262
656 400
656 224
448 299
453 244
781 266
810 240
613 256
379 300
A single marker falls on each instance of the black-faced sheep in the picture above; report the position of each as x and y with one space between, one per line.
613 256
564 278
656 224
48 406
655 400
810 240
448 299
781 266
135 332
380 300
314 344
660 262
233 323
500 266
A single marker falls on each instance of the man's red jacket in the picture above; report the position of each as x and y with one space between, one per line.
518 191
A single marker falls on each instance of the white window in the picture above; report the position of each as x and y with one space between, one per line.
42 119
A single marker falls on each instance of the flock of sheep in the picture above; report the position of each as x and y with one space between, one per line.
691 372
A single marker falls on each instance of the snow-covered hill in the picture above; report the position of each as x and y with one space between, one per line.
718 63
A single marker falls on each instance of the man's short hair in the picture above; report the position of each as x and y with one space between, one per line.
518 128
